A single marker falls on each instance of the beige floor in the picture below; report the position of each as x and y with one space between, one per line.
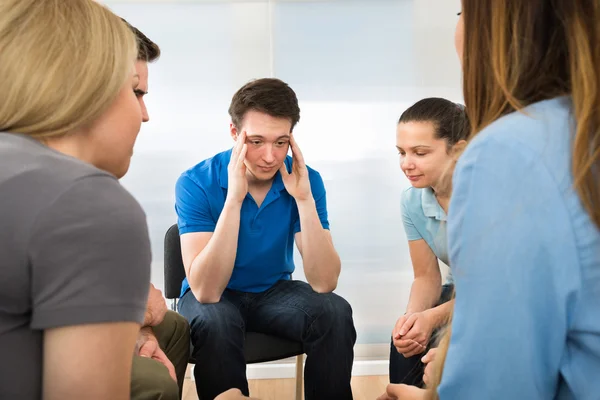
363 388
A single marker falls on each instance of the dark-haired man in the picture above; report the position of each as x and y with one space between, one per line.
239 214
163 345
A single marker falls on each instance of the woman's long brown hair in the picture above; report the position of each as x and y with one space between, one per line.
520 52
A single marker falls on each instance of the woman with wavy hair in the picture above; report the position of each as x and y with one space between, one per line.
524 219
73 242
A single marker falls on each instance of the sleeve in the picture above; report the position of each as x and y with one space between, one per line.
409 228
192 207
319 194
507 246
89 255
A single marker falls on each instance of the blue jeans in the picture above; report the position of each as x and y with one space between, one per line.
289 309
410 370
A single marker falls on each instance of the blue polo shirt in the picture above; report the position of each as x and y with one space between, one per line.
424 218
265 252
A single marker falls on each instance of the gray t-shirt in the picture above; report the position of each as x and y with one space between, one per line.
74 249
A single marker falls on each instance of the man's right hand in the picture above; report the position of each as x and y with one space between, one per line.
236 171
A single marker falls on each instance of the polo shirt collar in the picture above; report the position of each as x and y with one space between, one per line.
431 207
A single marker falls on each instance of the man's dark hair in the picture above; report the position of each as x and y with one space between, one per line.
449 119
147 50
268 95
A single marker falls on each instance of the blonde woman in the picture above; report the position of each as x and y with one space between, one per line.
524 220
73 242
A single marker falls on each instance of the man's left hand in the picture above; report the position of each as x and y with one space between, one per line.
296 183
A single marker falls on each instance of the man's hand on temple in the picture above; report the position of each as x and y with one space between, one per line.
236 171
156 308
296 183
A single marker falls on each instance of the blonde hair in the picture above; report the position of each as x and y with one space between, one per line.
62 63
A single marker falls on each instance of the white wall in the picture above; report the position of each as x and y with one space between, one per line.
355 65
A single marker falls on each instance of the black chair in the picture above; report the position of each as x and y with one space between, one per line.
258 347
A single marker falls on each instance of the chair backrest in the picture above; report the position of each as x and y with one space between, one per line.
174 270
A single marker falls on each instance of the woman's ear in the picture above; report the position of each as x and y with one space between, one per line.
458 149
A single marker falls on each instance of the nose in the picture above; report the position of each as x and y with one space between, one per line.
406 163
268 155
145 116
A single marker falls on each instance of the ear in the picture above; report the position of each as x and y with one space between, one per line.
458 149
233 131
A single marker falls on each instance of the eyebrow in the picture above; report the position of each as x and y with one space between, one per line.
257 136
421 146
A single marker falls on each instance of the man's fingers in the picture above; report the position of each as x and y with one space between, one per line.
283 170
239 143
296 152
148 349
242 156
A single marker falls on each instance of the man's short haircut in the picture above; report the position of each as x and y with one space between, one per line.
147 50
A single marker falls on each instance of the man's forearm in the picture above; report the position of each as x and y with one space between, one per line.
424 294
321 262
211 269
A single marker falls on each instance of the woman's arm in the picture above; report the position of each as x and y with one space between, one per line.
427 285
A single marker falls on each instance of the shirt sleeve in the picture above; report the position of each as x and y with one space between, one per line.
409 228
509 249
319 194
192 207
89 255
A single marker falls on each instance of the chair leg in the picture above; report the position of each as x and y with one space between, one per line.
299 376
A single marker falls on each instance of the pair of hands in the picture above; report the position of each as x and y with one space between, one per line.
148 346
407 392
296 183
412 333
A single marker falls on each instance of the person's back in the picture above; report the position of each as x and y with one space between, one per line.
74 243
48 199
524 220
547 292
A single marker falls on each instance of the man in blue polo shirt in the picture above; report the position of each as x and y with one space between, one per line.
239 214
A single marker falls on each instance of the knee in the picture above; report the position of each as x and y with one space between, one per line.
337 313
180 324
215 323
339 309
174 325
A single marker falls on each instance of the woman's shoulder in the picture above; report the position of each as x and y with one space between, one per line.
411 199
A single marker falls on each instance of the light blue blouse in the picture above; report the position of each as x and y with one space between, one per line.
425 219
526 262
